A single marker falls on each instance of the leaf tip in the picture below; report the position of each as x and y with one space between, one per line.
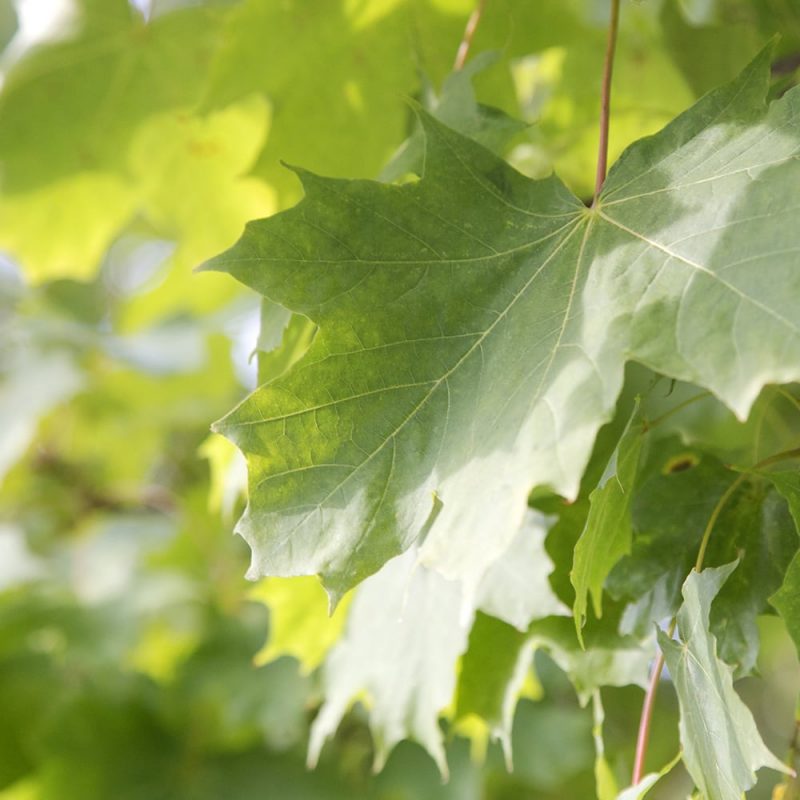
335 595
580 621
305 176
209 265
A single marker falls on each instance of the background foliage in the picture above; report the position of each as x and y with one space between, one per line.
136 140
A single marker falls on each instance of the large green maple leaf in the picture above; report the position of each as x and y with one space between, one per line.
474 326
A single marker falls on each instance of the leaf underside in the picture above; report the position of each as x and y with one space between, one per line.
721 745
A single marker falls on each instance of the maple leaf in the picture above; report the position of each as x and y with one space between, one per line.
474 326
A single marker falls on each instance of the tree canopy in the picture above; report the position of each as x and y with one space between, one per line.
497 446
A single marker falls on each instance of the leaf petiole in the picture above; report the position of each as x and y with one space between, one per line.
605 102
469 34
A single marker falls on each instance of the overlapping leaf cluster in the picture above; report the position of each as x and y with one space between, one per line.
473 328
430 351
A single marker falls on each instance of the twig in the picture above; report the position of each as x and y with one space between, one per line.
643 736
605 102
469 34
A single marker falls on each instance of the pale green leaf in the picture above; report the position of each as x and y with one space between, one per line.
350 122
722 748
705 262
407 628
492 675
164 117
183 165
515 587
404 633
283 339
65 196
605 782
606 659
607 535
458 108
96 85
647 782
299 623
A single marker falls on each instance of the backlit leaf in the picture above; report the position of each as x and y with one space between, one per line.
607 535
427 403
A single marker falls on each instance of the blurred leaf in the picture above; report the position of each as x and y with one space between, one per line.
556 741
228 475
93 89
457 107
365 53
606 659
515 587
493 673
556 91
31 384
405 630
185 165
299 622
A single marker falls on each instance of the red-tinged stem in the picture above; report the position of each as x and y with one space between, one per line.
645 720
469 34
605 102
650 696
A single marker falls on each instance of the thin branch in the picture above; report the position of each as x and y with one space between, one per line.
605 102
469 34
646 718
